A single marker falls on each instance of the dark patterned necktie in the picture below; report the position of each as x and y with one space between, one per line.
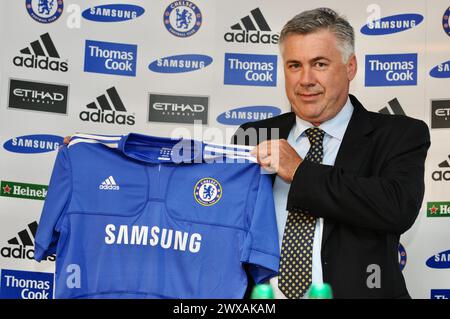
295 273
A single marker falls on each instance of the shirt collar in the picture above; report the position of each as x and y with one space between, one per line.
334 127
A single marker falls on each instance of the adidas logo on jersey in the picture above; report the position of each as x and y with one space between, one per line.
109 184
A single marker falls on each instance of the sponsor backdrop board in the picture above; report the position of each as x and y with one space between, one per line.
158 67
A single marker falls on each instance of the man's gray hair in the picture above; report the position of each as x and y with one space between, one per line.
318 19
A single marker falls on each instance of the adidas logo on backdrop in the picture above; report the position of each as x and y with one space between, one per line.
396 108
41 54
22 246
252 28
443 173
108 105
109 184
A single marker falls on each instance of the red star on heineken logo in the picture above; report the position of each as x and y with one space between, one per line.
6 189
433 210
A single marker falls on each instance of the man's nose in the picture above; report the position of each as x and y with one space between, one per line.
307 78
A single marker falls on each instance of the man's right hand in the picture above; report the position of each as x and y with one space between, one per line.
67 140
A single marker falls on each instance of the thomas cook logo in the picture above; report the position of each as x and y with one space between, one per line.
44 11
207 191
182 18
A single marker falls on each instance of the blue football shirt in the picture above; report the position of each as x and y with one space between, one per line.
137 216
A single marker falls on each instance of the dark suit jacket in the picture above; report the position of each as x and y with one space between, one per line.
370 196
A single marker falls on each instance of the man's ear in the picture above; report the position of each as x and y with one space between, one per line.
352 67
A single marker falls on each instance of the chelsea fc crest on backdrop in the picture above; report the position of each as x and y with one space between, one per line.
207 191
182 18
45 11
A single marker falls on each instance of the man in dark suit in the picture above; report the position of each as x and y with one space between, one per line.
348 181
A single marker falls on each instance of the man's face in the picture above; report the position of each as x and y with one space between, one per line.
317 79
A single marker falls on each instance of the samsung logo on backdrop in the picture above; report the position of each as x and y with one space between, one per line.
441 70
440 260
113 13
245 114
180 63
392 24
33 143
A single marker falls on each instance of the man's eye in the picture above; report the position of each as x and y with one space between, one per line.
294 65
321 64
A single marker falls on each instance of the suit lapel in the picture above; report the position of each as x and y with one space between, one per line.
352 151
286 128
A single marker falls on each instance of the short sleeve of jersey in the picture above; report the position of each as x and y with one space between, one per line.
261 249
55 205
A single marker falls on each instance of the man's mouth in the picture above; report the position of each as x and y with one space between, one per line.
309 96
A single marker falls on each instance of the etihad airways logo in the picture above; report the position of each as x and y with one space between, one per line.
178 108
154 236
252 28
38 96
440 113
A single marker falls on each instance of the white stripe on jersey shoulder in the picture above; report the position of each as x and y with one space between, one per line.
229 150
107 140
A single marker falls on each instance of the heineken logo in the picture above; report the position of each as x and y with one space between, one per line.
23 190
438 209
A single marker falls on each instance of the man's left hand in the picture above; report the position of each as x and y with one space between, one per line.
277 156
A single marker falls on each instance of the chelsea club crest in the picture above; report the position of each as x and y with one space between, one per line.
446 21
44 11
182 18
207 191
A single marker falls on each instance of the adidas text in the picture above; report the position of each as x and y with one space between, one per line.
109 187
21 252
251 37
42 63
107 117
